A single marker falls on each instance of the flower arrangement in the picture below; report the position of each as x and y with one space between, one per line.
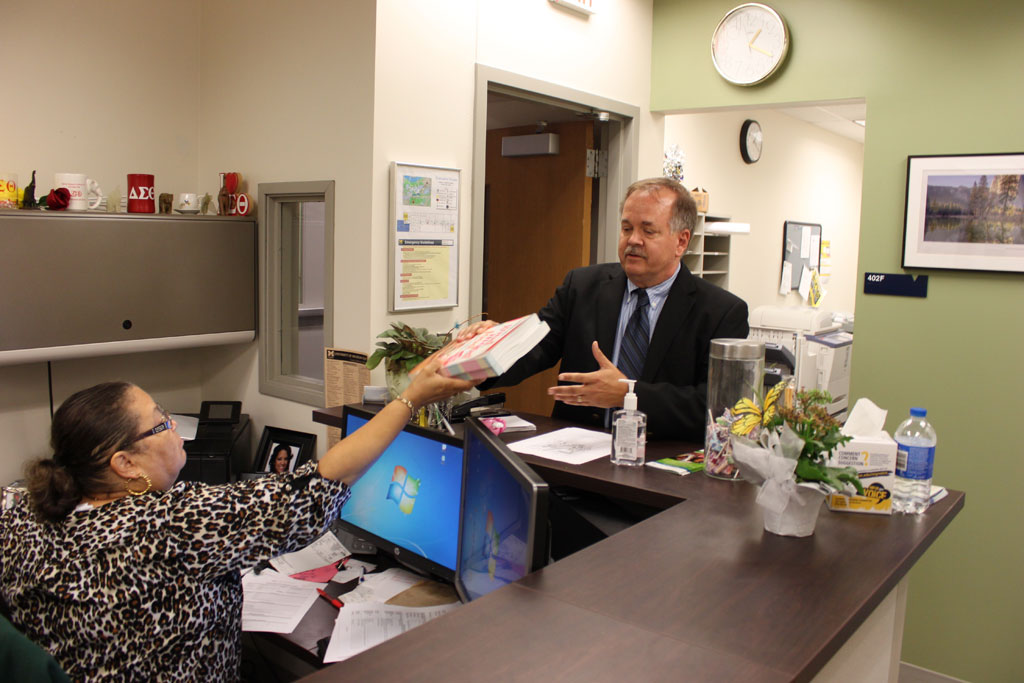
783 446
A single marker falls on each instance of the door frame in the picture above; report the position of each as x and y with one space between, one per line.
622 143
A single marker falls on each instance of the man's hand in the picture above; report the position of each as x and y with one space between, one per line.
600 388
475 329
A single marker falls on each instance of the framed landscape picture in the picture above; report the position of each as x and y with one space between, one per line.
965 212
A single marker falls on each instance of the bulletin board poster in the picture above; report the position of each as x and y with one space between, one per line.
424 260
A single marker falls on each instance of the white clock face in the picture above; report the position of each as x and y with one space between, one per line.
754 141
749 44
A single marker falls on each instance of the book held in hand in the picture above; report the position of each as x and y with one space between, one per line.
494 351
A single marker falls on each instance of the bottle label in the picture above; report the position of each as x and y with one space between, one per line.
914 462
626 437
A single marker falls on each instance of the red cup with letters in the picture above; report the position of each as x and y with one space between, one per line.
141 194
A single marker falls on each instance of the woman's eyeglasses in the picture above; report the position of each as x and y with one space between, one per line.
168 423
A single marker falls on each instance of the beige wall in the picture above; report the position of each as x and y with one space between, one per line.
806 174
310 90
106 89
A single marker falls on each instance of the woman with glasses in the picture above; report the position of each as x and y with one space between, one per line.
122 574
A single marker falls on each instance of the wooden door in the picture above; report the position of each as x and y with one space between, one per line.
537 228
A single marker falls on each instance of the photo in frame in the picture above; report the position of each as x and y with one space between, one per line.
965 212
283 450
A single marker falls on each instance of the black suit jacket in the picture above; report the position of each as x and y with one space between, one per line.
672 389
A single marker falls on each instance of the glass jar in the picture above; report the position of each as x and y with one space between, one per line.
735 371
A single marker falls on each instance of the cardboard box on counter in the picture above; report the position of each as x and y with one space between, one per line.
874 458
701 197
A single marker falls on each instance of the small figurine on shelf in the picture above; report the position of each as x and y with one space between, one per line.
223 197
28 201
204 203
166 199
114 200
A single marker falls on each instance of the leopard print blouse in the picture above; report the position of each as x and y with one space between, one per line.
147 588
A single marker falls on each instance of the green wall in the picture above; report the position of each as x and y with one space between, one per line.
939 78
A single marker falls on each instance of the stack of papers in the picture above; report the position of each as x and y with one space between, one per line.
493 352
508 423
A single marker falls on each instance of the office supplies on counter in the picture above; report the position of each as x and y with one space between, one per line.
486 405
502 424
681 464
329 598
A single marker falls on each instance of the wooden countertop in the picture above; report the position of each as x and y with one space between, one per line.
697 592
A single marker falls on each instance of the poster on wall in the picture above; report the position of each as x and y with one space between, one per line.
424 237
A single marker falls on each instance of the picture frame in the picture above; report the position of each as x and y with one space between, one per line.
300 448
965 212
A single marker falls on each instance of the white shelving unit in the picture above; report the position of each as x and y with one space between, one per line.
707 255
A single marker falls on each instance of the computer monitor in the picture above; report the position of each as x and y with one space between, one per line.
504 516
407 502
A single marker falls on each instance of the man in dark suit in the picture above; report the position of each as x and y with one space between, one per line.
591 314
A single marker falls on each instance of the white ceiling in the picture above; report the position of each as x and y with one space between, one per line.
837 118
506 111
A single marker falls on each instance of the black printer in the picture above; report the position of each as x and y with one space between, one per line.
221 448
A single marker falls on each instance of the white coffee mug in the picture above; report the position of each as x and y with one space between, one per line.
188 201
80 188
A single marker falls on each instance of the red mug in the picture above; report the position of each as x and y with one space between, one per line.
141 193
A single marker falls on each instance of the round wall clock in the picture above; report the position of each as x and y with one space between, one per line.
749 44
751 141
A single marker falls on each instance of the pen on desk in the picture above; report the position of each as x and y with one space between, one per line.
334 601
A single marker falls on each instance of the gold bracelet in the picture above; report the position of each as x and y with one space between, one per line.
409 405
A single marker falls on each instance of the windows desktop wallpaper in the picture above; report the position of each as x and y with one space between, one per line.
410 496
495 527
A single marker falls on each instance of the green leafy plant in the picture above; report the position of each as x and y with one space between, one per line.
405 347
809 419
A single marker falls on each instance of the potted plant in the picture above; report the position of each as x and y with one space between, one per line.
783 447
403 348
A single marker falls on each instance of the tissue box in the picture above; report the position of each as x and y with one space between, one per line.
874 458
700 195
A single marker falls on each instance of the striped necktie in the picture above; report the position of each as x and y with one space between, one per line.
636 338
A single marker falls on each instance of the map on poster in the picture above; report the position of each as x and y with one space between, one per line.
424 243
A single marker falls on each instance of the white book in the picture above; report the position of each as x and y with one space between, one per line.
494 351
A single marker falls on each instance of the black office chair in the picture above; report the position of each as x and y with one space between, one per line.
23 660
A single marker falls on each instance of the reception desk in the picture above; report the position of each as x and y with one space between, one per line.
697 592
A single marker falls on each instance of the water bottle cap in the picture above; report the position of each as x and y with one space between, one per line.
918 412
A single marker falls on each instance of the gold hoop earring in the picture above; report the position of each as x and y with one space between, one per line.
149 485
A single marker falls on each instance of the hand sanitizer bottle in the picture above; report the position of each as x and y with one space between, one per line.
629 431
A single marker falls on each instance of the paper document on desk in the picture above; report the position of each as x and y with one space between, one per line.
383 586
361 626
571 445
323 551
275 603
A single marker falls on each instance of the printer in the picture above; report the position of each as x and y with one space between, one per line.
805 343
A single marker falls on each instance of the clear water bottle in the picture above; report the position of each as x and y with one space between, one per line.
915 458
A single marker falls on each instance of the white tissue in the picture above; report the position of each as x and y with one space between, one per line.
866 419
